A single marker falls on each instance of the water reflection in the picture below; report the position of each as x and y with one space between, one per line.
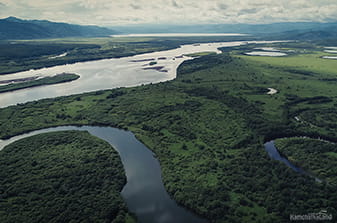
274 154
109 73
144 192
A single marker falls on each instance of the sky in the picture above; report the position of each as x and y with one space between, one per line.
124 12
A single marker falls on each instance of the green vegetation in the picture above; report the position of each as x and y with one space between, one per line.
207 127
59 78
314 156
303 58
25 55
312 63
200 54
66 176
20 55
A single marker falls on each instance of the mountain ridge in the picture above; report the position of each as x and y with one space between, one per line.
15 28
224 28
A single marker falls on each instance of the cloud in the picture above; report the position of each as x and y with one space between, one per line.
134 6
175 4
249 11
222 6
119 12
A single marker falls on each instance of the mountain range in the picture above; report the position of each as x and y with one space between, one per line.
225 28
15 28
285 30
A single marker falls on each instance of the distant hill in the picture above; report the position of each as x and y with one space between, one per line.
224 28
286 30
15 28
324 33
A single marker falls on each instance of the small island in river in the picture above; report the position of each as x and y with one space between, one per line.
56 79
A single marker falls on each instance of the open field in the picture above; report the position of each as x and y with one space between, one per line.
207 127
303 62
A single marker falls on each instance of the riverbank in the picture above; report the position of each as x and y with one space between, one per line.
207 127
22 55
96 75
25 83
309 153
61 176
143 192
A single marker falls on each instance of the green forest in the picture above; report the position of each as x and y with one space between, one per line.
208 126
315 156
21 55
66 176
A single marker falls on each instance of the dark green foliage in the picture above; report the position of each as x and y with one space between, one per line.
207 128
302 72
21 55
61 177
25 55
203 63
315 156
293 99
21 51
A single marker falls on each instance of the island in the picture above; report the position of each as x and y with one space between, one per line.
35 82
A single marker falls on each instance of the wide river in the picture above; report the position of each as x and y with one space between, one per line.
144 192
110 73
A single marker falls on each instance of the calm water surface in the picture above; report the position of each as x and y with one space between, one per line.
275 155
144 192
109 73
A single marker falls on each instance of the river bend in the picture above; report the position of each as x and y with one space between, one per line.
144 192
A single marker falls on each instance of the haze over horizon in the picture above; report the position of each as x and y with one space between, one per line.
129 12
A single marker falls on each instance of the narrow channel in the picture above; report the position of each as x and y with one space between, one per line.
144 192
275 155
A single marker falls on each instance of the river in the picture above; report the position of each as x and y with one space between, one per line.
275 155
110 73
144 192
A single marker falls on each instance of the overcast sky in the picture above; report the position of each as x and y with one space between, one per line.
122 12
